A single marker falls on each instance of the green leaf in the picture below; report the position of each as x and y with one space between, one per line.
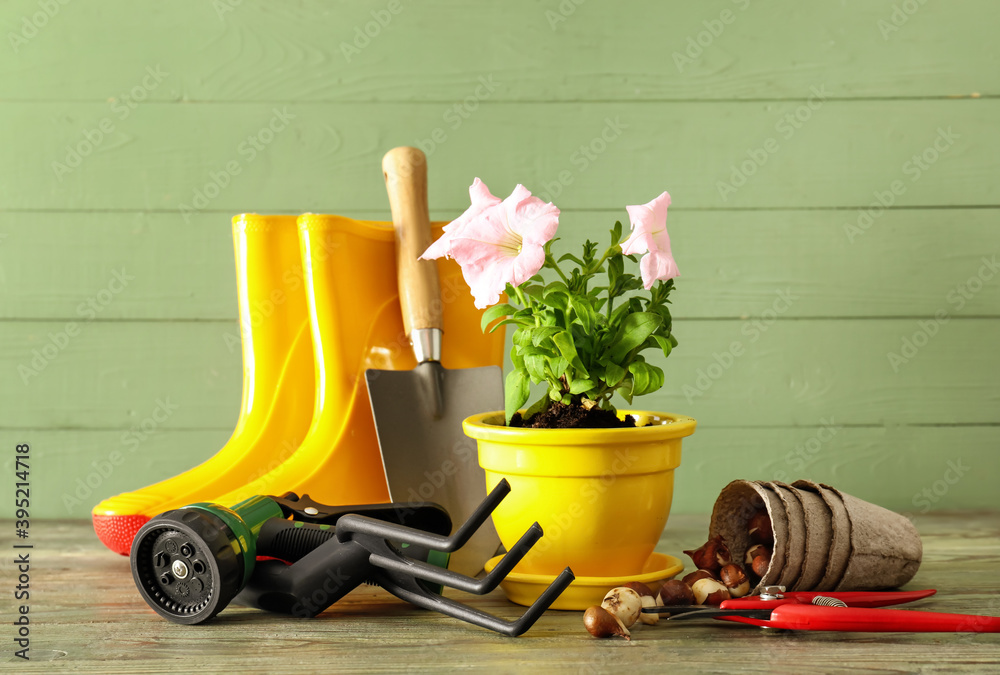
625 389
633 332
532 291
522 338
511 320
616 316
516 392
557 299
580 386
613 373
646 378
616 268
630 282
564 343
658 378
584 312
535 365
664 344
493 313
539 406
517 358
641 378
557 365
570 256
540 333
616 233
530 350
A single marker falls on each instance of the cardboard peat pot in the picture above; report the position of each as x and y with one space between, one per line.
824 539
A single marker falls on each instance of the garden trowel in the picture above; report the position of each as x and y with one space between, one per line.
418 414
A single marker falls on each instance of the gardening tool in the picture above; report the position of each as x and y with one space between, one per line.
190 563
418 414
848 611
278 382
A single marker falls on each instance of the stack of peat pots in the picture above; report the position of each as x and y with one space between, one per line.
824 539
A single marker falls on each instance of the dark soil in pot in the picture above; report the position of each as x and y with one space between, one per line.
562 416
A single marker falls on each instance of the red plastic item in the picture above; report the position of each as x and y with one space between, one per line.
852 598
863 619
117 531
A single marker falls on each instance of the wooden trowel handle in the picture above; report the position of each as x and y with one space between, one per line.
405 172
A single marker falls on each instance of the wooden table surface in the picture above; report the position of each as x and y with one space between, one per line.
87 617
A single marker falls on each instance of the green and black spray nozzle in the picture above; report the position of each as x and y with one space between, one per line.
190 563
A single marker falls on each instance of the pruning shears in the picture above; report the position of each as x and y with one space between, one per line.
848 611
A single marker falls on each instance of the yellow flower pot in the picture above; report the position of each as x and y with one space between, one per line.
602 496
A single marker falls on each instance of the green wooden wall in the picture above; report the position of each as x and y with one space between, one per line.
778 127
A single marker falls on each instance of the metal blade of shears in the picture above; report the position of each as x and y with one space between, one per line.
718 613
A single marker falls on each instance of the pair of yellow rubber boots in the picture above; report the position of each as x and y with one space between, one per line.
318 305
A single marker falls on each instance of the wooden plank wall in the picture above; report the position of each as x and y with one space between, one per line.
776 126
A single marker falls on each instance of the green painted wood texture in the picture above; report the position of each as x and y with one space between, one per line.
328 156
437 50
777 136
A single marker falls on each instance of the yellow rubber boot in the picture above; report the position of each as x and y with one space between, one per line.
278 382
350 272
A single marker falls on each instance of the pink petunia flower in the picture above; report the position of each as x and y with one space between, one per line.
481 199
496 242
649 236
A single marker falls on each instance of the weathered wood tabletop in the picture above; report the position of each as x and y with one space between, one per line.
87 617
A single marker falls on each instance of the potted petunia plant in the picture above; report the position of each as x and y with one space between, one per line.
599 480
584 332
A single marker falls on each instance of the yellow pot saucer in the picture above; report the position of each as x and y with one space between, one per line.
524 589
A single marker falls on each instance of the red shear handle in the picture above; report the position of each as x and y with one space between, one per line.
813 617
852 598
868 598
